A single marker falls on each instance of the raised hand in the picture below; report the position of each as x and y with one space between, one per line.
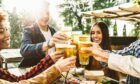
57 55
65 65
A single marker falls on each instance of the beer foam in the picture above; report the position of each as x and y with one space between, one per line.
64 46
77 32
84 36
87 42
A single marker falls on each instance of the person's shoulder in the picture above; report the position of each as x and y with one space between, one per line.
51 28
135 43
28 29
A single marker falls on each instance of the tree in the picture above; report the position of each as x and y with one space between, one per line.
104 4
71 9
16 29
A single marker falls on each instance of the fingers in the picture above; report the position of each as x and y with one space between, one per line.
70 61
60 36
56 40
59 52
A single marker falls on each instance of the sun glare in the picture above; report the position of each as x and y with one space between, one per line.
32 7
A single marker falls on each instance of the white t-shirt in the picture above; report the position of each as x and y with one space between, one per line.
48 36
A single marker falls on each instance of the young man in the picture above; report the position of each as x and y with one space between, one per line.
39 38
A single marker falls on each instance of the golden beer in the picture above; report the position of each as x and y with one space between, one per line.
84 54
70 50
84 38
67 31
75 36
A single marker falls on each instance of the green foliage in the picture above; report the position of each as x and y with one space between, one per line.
71 10
16 29
136 30
104 4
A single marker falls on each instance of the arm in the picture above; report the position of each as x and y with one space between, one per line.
40 67
27 46
49 75
129 50
46 77
126 64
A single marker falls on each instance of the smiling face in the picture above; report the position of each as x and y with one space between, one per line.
4 31
96 34
4 38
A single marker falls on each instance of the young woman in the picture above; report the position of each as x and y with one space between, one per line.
47 75
100 34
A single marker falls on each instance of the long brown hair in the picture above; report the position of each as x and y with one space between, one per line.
105 44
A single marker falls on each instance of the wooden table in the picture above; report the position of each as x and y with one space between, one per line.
10 56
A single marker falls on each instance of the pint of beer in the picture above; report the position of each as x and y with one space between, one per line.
67 31
70 50
84 54
84 38
75 36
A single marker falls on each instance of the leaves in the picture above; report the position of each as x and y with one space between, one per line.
16 29
71 10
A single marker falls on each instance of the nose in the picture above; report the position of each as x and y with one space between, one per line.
95 35
7 34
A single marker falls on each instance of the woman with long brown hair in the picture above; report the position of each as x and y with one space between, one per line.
100 34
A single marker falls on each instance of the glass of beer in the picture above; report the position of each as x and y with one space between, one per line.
75 36
84 38
70 50
84 54
67 31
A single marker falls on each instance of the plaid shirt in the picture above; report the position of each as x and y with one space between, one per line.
40 67
134 50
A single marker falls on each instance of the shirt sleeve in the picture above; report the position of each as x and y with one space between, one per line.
28 48
133 49
46 77
126 64
40 67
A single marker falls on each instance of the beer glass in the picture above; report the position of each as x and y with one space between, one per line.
68 32
84 38
75 36
84 54
69 50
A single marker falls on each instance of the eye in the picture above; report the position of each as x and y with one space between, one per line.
98 32
92 32
2 30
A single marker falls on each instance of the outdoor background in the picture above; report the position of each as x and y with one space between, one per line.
63 13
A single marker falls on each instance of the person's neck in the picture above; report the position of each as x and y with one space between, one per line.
44 28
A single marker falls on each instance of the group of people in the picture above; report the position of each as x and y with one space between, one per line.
38 45
48 67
